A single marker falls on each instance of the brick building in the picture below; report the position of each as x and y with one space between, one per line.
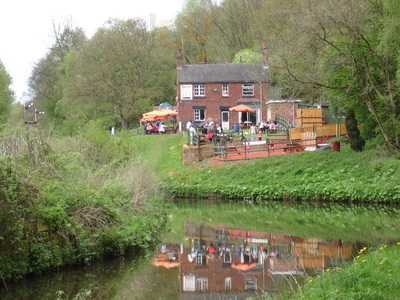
285 108
207 91
204 276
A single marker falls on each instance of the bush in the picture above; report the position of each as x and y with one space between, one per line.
74 200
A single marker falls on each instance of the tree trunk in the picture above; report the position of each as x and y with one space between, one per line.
124 123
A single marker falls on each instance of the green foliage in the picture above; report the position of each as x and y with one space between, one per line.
6 95
247 56
372 276
357 143
324 222
321 176
48 76
79 200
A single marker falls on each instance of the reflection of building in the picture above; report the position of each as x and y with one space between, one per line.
226 263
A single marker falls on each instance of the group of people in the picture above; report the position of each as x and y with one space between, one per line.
155 128
269 126
214 131
209 129
231 254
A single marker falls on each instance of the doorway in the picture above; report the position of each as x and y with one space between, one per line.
225 119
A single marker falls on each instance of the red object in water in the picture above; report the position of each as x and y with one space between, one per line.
211 250
336 146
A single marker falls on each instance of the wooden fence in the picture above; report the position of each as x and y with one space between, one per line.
328 130
309 117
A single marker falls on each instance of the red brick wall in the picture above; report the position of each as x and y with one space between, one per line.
216 273
213 101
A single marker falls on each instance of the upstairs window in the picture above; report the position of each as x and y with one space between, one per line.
186 92
248 90
199 114
199 90
225 90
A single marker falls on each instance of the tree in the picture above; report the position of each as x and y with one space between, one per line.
48 76
6 94
356 141
247 56
113 72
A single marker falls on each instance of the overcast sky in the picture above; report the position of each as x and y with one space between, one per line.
26 26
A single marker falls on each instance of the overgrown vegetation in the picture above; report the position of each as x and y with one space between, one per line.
73 200
6 95
322 176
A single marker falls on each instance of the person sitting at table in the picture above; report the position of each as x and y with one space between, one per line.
161 128
149 128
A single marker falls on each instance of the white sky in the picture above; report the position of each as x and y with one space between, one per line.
26 26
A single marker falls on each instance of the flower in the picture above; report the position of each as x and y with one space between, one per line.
363 250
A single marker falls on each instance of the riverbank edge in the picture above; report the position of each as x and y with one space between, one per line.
269 193
370 276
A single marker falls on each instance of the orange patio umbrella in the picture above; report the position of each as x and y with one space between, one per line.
242 108
158 115
244 267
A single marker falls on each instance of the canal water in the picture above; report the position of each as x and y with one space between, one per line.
212 262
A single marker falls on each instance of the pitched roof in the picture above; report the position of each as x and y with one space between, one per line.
205 73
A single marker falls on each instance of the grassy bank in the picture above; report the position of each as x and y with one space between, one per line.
336 222
371 277
347 176
72 200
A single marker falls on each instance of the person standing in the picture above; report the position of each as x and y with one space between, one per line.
188 125
192 134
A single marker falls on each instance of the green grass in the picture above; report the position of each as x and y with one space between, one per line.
321 176
374 276
374 226
163 153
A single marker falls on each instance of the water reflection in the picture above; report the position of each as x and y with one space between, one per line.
216 262
212 262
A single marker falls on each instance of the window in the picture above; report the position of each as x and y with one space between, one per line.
199 114
247 90
228 284
201 284
225 90
186 92
189 283
199 90
250 284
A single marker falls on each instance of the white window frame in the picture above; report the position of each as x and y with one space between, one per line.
228 284
186 92
201 284
248 90
225 90
197 114
199 90
189 283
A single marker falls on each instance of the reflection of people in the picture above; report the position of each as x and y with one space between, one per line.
113 131
211 249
